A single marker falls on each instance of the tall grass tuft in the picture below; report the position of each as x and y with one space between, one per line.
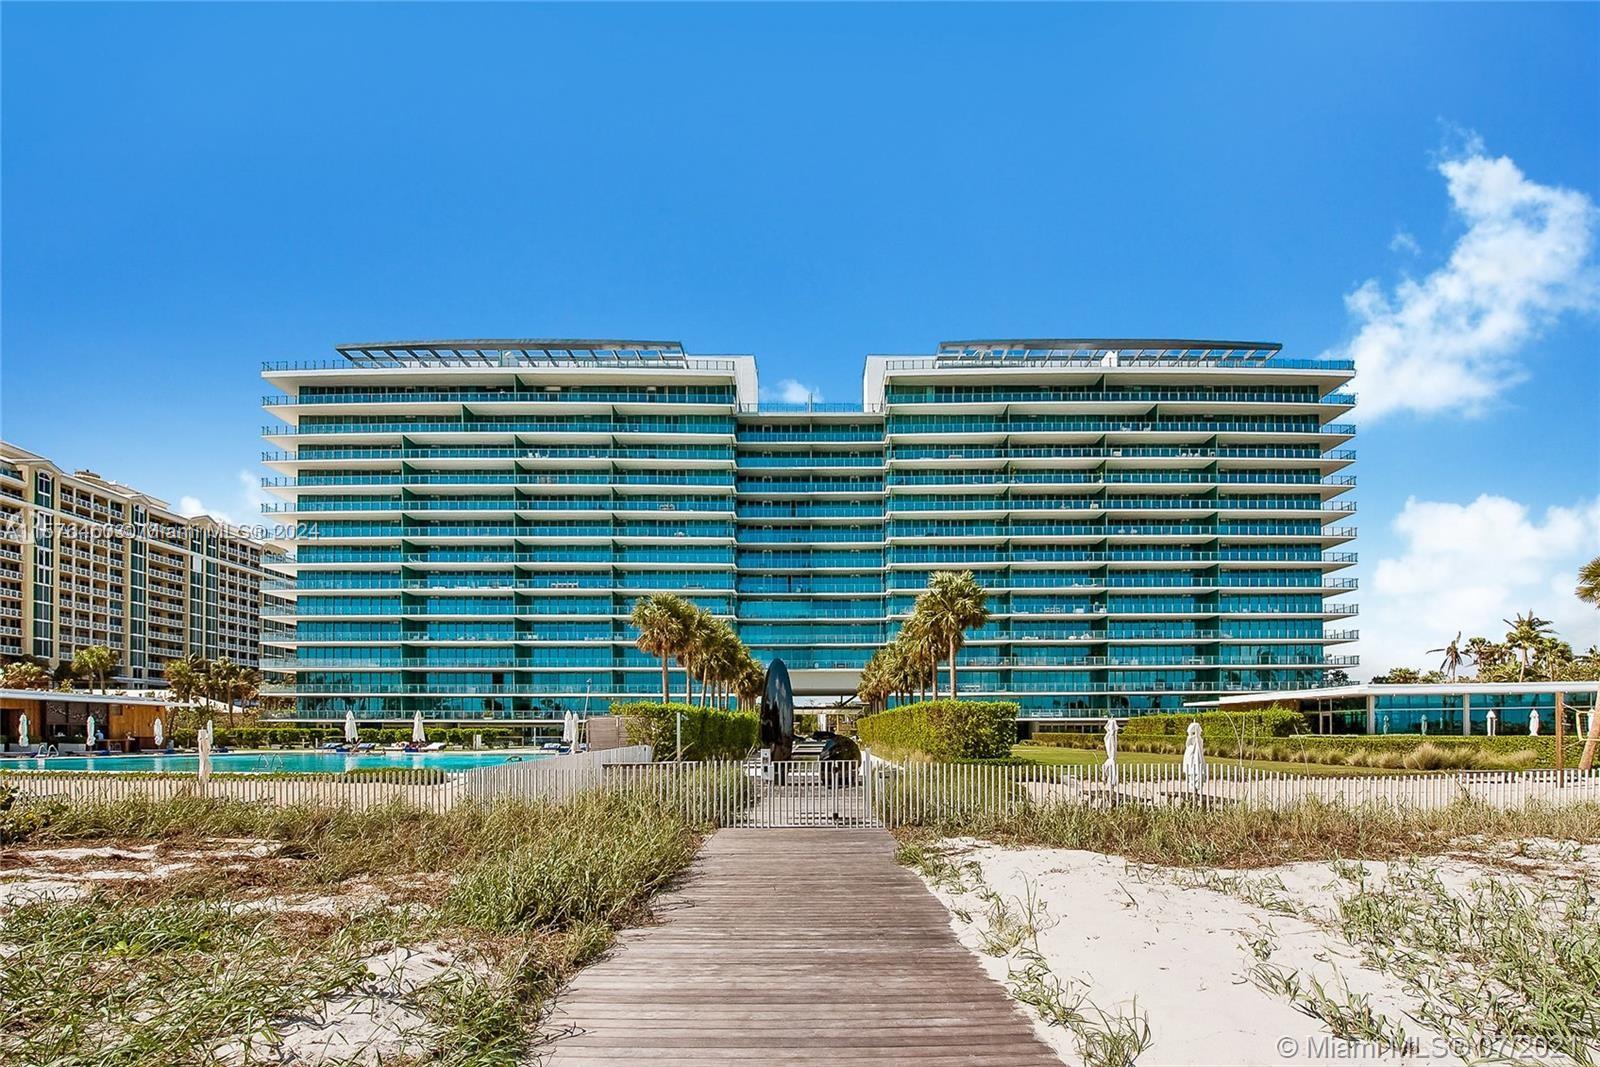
1243 836
598 863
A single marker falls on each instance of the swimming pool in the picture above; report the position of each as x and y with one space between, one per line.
269 762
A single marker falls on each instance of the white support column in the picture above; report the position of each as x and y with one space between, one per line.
1466 714
1372 714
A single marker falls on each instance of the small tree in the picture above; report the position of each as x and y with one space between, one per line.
95 662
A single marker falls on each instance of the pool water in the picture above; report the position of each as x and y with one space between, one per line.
268 762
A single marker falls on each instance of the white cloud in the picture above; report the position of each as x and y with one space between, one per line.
1467 567
792 391
245 510
1404 242
1448 342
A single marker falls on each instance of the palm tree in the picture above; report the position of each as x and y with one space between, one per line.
954 603
750 684
1484 653
1452 656
1524 637
249 685
921 645
185 676
221 678
659 622
95 662
692 623
1589 582
877 679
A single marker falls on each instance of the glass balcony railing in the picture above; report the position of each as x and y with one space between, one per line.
987 395
640 395
687 424
965 424
906 453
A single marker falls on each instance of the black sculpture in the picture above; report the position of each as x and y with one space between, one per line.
777 712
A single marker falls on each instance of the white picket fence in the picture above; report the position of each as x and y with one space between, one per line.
874 792
552 778
424 789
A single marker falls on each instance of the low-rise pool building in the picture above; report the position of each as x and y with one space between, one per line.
1445 708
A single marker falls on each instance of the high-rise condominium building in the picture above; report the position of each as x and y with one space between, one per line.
86 561
1152 519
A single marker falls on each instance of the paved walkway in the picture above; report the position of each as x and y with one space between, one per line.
794 946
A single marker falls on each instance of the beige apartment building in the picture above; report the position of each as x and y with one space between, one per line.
88 561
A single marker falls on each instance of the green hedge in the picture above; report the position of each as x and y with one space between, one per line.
1266 722
942 730
1378 750
708 733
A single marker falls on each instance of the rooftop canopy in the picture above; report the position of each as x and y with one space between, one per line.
1127 349
519 352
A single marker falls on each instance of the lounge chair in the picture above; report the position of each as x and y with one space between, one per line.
432 746
366 746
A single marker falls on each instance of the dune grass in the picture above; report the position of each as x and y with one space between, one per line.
174 969
1243 837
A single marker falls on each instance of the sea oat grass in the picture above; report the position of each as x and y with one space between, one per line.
1242 836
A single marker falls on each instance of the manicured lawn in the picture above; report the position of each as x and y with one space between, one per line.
1054 756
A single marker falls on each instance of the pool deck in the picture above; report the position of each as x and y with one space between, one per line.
793 947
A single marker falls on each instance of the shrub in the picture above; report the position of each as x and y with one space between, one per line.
708 733
942 730
1391 751
1275 721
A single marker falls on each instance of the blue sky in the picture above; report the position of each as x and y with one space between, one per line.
191 189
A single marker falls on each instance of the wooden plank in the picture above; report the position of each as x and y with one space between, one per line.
793 946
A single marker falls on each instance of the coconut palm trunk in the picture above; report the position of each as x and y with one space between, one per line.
1586 761
952 647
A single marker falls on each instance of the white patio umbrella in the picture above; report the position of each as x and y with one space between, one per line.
1493 720
1108 769
350 726
1424 724
203 746
569 728
157 729
1533 722
89 732
211 731
418 735
1194 757
22 731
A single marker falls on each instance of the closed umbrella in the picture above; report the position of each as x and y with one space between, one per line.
22 731
89 732
157 729
569 728
211 731
203 746
417 734
1533 723
350 726
1493 719
1194 758
1108 769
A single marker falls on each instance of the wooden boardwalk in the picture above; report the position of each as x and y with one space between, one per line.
793 947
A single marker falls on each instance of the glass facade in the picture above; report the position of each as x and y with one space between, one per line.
1154 521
